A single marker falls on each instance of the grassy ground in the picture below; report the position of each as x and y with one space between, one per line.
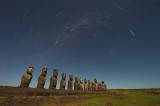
125 98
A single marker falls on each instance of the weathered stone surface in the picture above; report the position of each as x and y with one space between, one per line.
92 86
76 83
80 85
53 79
104 87
99 86
95 85
63 82
27 77
70 82
85 84
42 78
89 85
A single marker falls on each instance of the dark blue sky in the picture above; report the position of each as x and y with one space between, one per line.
112 40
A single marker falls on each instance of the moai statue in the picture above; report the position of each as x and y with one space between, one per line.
92 86
53 80
27 77
104 88
95 85
80 85
85 84
70 82
42 78
89 85
63 82
99 86
76 83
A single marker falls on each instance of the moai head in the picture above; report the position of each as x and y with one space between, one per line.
63 76
89 82
85 81
81 81
70 77
44 71
76 79
92 82
30 70
102 82
55 72
95 81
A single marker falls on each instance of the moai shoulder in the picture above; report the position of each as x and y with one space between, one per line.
27 77
76 83
53 79
85 84
70 82
63 82
89 85
42 78
80 84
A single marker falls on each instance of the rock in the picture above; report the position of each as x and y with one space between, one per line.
27 77
42 78
53 79
70 82
63 82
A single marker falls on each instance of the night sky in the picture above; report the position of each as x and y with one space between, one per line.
115 41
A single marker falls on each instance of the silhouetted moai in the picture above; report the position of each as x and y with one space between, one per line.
95 85
85 84
63 82
76 83
92 86
42 78
53 79
70 82
80 85
27 77
104 87
89 85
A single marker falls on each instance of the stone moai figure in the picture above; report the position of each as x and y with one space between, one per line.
70 82
89 85
92 86
80 85
63 82
95 85
42 78
85 84
27 77
104 87
53 79
99 87
76 83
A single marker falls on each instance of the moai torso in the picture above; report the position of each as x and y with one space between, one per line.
53 80
95 85
26 78
103 86
89 85
92 85
42 78
80 84
85 84
99 86
76 83
70 82
63 82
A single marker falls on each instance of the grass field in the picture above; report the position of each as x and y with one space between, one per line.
125 98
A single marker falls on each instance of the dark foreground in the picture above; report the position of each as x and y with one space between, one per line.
15 96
